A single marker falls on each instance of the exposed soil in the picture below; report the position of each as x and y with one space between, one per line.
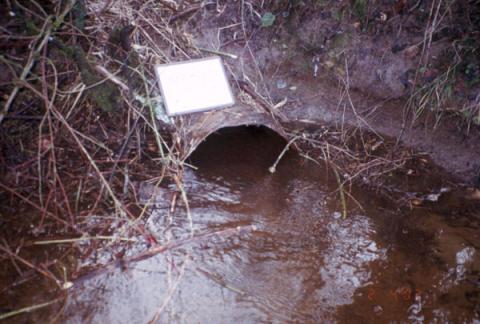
310 59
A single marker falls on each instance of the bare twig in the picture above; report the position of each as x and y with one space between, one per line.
44 36
163 248
273 168
47 29
43 272
28 309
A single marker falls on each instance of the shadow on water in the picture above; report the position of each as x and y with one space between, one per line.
302 263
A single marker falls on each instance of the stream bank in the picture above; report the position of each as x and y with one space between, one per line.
316 68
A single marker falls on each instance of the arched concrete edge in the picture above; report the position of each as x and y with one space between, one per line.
196 128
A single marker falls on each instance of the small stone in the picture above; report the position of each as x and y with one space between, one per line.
432 197
329 64
337 215
67 285
281 84
377 309
465 255
372 247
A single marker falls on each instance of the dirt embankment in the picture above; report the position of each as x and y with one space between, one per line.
385 69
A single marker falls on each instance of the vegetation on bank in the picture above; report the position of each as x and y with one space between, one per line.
440 38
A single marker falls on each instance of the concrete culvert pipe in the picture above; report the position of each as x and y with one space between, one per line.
195 128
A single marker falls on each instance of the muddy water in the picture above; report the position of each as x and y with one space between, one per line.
301 263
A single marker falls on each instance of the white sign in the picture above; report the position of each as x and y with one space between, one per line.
195 85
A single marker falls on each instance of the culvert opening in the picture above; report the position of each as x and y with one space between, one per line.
240 150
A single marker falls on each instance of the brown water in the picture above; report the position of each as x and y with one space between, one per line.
302 263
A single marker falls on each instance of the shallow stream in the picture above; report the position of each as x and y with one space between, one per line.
301 261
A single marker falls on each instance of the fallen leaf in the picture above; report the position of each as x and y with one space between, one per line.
474 194
67 285
416 202
268 19
329 64
376 145
411 51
